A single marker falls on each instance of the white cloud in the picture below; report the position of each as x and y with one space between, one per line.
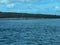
57 8
7 3
28 0
29 6
10 5
4 1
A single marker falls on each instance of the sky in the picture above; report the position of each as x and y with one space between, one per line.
31 6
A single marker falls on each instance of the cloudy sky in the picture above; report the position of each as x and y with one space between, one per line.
31 6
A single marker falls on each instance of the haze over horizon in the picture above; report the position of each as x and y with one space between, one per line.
31 6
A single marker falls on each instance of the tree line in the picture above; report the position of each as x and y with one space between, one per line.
26 15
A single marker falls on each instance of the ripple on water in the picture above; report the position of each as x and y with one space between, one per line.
30 32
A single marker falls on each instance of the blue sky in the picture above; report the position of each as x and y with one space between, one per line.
31 6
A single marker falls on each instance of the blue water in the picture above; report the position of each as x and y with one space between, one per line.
30 32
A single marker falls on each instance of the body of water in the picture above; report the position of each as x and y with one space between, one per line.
30 32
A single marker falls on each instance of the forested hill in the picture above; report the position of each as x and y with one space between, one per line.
26 15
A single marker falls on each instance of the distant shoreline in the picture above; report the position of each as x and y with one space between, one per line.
25 19
26 15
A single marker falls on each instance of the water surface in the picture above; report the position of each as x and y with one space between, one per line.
30 32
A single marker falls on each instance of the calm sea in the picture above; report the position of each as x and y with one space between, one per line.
30 32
